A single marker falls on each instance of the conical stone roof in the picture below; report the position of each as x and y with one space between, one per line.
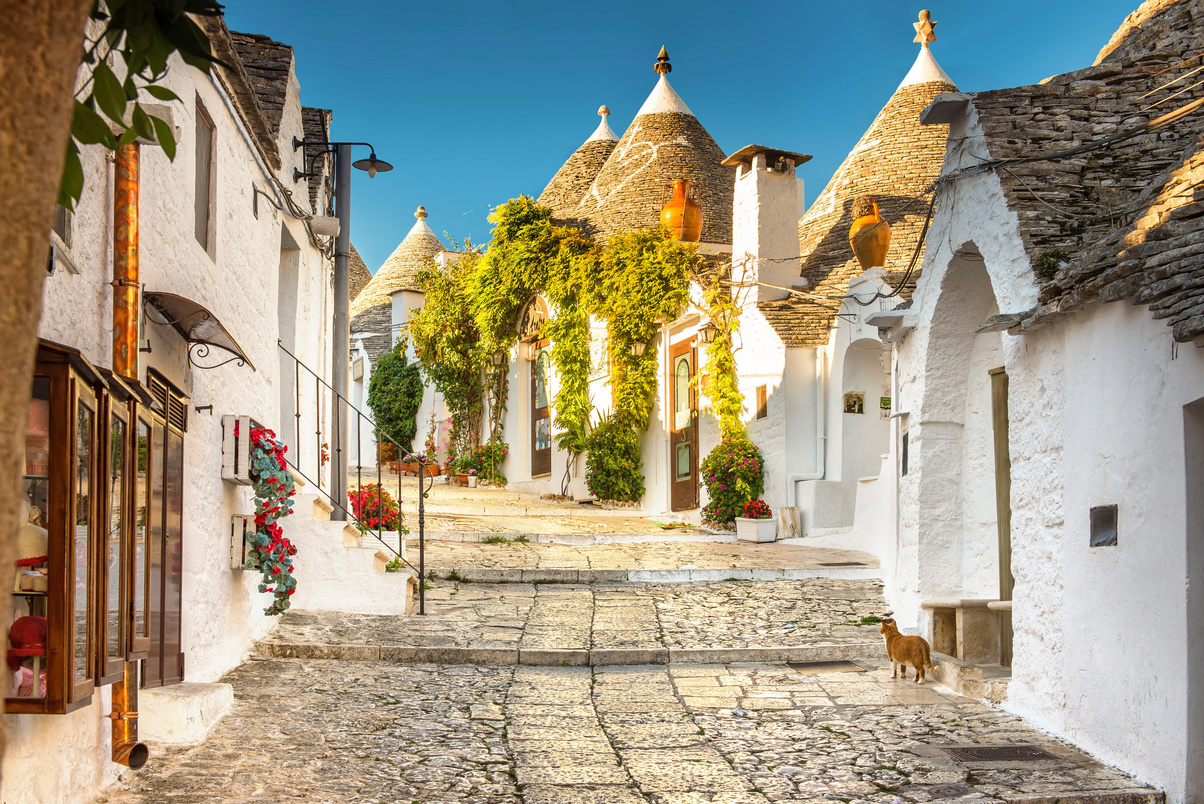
359 275
575 176
400 271
895 161
663 143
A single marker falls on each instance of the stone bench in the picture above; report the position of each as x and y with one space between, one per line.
967 629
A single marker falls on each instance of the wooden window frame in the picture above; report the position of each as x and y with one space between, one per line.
111 668
137 644
762 402
204 233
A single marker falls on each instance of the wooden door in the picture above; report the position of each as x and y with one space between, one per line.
1003 506
683 425
541 409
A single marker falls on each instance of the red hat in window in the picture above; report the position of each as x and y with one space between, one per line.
28 638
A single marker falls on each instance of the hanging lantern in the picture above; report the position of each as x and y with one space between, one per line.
708 333
682 215
637 348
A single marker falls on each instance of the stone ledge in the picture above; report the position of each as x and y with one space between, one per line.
182 714
597 657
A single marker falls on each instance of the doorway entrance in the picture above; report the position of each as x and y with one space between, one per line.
683 425
541 409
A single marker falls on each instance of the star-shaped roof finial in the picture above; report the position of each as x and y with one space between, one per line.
924 29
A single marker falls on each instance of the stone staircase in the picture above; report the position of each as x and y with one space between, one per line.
338 569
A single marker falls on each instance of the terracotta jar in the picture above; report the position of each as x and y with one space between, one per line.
682 215
870 234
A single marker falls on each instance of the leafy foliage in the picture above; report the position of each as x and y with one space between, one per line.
142 35
613 462
727 401
269 550
733 474
448 345
394 396
485 461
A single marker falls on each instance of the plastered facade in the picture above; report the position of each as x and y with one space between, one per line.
1096 413
237 276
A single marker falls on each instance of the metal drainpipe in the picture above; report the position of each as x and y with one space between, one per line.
126 748
126 290
821 441
125 261
341 336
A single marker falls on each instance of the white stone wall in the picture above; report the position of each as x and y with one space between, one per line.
1096 417
66 758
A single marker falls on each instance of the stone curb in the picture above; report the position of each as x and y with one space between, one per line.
596 576
596 657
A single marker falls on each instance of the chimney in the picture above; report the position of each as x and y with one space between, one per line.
765 221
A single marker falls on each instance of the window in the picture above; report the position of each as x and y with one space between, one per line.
62 224
95 458
164 663
204 178
1104 526
762 402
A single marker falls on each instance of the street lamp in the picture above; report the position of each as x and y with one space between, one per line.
341 341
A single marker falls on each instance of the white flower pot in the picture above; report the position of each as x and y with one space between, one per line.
756 530
472 481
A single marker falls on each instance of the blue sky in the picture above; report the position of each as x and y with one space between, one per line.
478 102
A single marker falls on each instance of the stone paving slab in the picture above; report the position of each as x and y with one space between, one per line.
749 733
675 561
546 624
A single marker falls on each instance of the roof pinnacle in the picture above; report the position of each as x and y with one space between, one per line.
924 29
662 62
421 213
603 111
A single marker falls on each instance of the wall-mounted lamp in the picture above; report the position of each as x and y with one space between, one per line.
497 358
372 165
637 348
708 333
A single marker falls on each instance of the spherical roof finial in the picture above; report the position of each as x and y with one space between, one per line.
421 213
662 62
603 111
924 29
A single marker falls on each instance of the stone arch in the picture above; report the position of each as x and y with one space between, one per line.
864 436
958 532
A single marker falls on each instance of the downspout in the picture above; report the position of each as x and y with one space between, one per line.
126 290
126 748
125 283
821 440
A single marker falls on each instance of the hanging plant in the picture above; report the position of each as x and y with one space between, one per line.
268 549
723 384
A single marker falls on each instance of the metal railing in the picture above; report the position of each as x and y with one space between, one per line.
343 413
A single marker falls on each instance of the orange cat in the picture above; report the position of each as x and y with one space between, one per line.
904 650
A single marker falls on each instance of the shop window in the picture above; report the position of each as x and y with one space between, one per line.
82 584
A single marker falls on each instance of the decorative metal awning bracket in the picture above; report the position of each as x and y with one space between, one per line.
200 349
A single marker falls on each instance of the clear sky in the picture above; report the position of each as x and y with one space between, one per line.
478 102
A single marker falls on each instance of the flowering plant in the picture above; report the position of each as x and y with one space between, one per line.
268 549
733 474
484 460
757 509
375 508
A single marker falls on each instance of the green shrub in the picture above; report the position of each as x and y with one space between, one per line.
394 395
733 474
613 462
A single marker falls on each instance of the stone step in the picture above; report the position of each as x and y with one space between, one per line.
413 654
322 509
982 682
600 576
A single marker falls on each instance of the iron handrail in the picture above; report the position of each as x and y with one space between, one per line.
378 433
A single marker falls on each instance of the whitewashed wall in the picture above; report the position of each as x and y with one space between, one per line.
66 758
1096 417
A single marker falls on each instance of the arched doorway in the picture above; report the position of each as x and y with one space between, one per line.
962 428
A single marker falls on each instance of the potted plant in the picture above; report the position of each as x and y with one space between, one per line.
757 524
472 478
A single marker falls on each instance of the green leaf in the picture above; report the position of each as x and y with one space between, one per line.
163 133
107 90
71 184
130 89
127 136
143 124
88 127
161 93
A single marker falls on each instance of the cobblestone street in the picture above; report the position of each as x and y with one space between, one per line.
326 731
